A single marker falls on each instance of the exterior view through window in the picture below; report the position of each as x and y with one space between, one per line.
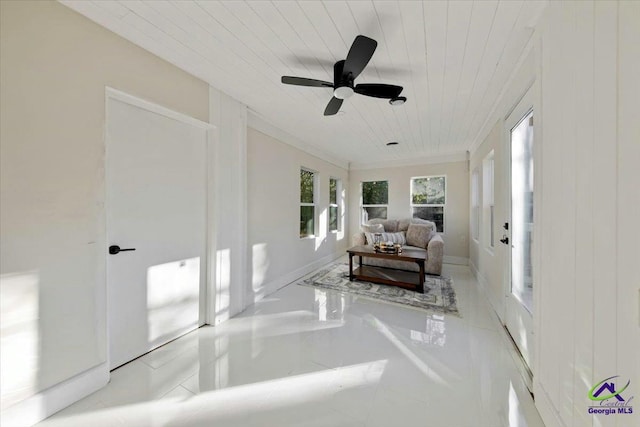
488 188
475 205
428 196
307 203
375 198
334 185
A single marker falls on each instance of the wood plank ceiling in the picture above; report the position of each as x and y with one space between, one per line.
452 57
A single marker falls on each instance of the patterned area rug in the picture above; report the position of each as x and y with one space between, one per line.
438 294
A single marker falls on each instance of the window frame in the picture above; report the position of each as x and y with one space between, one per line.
364 220
475 205
430 205
488 200
313 204
336 205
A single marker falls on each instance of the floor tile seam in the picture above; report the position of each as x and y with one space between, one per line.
180 386
373 399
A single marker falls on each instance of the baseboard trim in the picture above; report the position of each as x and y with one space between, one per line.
547 411
288 278
484 285
473 268
46 403
457 260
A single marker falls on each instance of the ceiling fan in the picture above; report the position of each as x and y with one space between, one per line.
345 72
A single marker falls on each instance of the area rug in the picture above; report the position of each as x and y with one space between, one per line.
438 293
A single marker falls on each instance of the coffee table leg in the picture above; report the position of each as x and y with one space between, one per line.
350 267
421 285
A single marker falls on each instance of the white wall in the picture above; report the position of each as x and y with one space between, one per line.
456 235
277 254
487 263
585 59
587 326
55 65
228 208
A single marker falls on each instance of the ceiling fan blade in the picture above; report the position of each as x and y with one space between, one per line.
359 55
378 90
333 106
302 81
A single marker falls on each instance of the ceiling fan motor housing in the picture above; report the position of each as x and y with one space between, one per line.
343 84
345 72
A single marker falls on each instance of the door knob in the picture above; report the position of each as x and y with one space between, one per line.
505 240
115 249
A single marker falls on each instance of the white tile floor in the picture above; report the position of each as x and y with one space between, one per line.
309 357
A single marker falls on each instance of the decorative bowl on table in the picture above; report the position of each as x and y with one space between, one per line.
388 248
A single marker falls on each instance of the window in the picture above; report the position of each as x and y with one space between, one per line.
428 194
475 205
375 197
488 190
307 203
334 207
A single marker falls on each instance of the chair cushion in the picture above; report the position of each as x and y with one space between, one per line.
372 228
387 237
390 225
419 234
403 224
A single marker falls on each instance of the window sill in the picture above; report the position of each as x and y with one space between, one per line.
308 237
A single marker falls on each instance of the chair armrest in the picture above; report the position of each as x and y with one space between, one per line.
359 239
435 255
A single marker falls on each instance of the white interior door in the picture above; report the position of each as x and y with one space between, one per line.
156 203
518 237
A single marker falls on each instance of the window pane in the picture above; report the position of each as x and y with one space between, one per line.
306 221
476 222
475 189
306 186
375 193
522 211
374 212
491 227
333 218
428 191
333 191
431 213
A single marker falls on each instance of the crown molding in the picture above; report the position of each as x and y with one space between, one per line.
456 156
498 109
264 125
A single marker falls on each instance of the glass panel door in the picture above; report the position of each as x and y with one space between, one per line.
522 211
519 232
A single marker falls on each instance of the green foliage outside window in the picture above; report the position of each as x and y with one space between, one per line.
333 204
375 193
307 215
333 218
428 191
333 191
307 201
306 186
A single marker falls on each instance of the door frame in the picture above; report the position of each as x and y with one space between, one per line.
207 289
530 100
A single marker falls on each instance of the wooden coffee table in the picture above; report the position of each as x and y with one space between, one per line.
388 276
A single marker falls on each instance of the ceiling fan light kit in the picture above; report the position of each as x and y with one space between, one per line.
344 74
343 92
